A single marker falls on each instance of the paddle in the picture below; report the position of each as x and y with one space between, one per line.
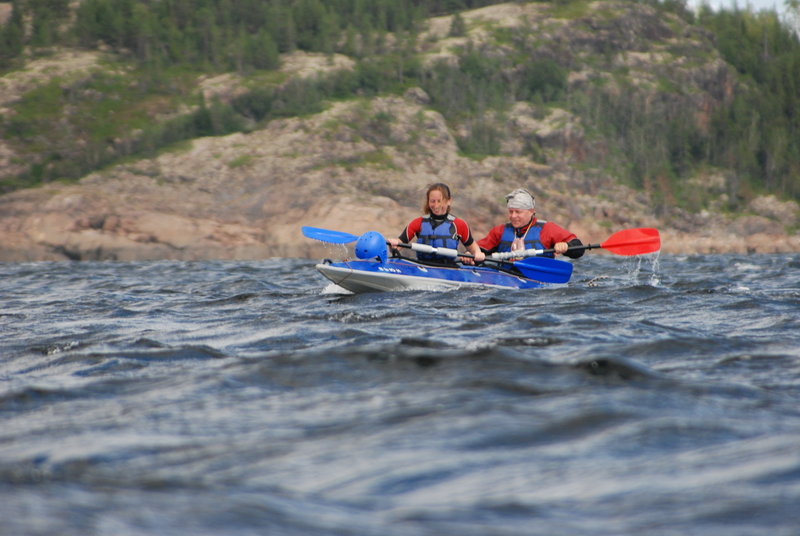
326 235
543 269
626 242
549 271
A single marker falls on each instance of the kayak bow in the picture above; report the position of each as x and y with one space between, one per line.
405 274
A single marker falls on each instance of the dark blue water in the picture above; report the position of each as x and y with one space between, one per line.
250 398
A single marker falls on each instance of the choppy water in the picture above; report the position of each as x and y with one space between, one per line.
243 398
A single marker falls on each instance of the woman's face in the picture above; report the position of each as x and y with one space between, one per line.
437 203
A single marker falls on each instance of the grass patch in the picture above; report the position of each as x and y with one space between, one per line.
241 161
378 159
570 10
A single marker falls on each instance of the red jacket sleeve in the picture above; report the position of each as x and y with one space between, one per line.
491 240
463 231
411 230
552 234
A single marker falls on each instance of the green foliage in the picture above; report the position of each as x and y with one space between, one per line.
543 78
458 28
658 140
758 135
213 120
483 140
570 9
471 87
76 127
224 34
755 134
444 7
241 161
11 38
378 159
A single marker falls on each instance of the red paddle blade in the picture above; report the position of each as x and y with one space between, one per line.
633 241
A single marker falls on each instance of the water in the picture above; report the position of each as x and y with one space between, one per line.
247 398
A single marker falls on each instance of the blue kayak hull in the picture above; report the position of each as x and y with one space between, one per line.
404 274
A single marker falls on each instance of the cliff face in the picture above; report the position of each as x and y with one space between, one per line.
364 164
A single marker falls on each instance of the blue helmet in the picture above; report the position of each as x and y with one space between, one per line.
371 245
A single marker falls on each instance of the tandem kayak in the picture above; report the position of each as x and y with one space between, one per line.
377 271
405 274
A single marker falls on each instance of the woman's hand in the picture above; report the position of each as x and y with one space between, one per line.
477 255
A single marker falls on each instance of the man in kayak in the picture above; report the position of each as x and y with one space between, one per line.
438 228
524 231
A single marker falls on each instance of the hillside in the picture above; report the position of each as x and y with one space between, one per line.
360 160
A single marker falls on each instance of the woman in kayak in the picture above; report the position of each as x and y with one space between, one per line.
524 231
438 228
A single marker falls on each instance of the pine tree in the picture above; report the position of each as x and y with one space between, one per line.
261 51
458 27
11 38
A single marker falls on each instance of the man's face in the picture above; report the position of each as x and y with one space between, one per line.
519 217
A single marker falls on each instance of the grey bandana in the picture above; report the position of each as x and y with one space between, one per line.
520 199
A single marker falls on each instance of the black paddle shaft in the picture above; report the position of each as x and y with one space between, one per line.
574 248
